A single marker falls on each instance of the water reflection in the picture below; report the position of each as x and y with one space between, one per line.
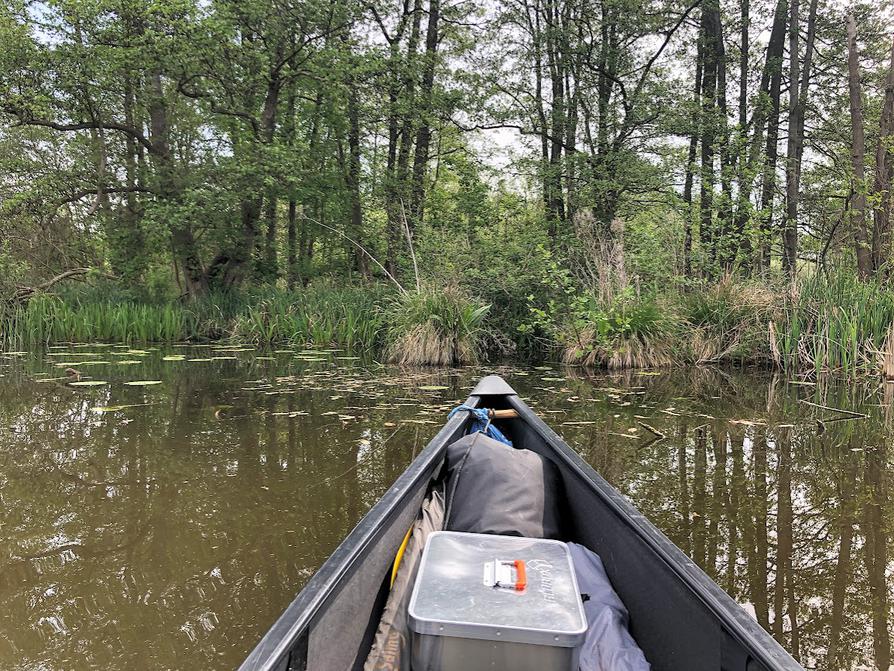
171 533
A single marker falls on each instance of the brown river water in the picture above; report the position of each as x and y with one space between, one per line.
165 526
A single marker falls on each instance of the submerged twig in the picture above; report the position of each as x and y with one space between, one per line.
850 414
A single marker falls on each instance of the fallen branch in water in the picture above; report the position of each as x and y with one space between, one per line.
849 414
651 429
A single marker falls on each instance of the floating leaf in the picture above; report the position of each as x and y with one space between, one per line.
88 383
198 360
224 358
142 383
174 357
433 387
129 362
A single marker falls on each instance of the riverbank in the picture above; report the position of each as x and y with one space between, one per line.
818 325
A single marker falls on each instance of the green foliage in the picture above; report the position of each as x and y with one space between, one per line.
435 326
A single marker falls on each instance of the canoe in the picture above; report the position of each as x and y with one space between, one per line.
682 620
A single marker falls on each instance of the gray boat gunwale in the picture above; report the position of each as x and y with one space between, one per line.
285 645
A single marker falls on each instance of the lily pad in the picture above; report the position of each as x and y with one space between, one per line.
433 387
142 383
198 360
174 357
129 362
88 383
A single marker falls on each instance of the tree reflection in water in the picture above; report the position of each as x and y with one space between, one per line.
172 534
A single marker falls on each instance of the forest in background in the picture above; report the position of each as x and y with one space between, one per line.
617 182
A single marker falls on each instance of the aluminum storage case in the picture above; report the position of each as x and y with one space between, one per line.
495 603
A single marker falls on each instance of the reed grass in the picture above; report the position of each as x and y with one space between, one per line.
823 324
834 323
349 318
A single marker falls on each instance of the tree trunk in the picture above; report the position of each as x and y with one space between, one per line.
183 241
775 51
555 65
858 143
709 124
759 119
291 273
884 164
423 135
728 245
270 252
797 113
690 163
352 177
743 172
129 256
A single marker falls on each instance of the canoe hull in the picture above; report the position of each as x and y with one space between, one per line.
682 619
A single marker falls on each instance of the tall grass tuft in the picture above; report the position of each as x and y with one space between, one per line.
727 321
435 327
631 333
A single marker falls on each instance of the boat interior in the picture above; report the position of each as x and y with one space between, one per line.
680 618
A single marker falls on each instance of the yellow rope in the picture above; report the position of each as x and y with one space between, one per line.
400 555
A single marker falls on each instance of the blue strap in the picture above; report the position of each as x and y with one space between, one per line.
482 422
